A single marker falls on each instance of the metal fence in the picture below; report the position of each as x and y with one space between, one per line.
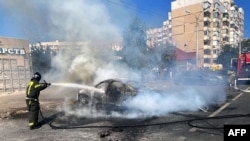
12 76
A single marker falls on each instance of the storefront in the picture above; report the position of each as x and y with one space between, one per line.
15 64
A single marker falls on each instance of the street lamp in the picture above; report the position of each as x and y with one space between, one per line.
196 38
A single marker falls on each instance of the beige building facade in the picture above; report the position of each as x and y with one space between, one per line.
205 26
15 64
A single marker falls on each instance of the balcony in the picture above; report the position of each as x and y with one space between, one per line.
224 27
216 38
206 28
215 56
225 19
234 43
232 40
232 33
216 29
225 35
217 46
207 56
215 19
206 46
232 22
206 37
169 16
225 42
207 19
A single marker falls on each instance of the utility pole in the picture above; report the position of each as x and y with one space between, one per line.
196 37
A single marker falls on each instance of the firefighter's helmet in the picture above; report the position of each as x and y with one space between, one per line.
37 76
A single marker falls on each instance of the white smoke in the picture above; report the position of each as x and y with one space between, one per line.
153 103
85 20
150 103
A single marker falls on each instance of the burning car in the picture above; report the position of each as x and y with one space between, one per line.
109 94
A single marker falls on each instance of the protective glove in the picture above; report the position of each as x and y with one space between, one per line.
47 84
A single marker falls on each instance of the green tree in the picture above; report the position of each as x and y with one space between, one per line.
41 58
245 44
162 56
227 53
168 57
134 52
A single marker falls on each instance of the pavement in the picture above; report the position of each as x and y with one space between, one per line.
49 98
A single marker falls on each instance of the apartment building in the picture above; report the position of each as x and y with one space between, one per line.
205 26
75 47
15 69
158 36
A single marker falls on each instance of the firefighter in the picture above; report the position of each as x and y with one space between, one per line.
32 99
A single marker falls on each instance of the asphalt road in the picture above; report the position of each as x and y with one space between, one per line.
176 126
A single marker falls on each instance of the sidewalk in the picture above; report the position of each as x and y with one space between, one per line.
14 102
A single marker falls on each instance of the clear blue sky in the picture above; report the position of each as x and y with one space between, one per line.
153 12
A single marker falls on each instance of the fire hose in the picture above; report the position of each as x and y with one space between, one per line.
191 122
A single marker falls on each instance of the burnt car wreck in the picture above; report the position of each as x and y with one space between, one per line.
111 98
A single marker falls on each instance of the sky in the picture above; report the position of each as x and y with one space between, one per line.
32 19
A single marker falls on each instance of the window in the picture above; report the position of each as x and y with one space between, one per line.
206 23
207 14
215 51
207 51
217 24
206 5
225 39
205 32
225 23
216 5
216 15
225 15
206 42
206 60
226 31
